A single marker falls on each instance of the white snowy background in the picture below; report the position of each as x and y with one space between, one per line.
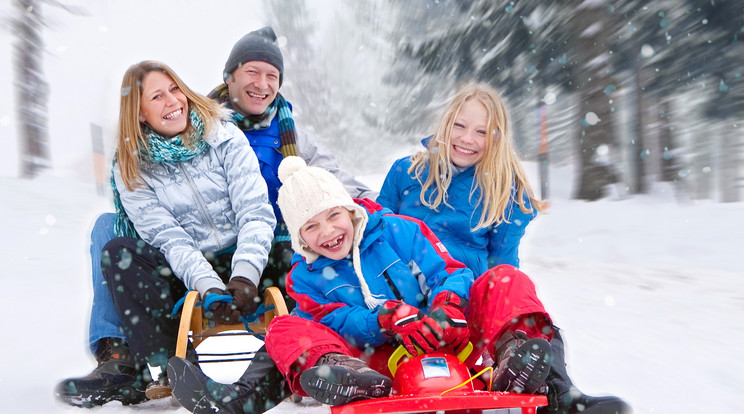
650 295
649 291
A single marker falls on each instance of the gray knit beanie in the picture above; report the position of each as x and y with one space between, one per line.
258 45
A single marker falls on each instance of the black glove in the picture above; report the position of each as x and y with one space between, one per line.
245 295
223 313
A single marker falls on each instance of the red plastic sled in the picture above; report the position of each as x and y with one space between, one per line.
438 382
462 403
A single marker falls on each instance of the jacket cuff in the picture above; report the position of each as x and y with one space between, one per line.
204 284
246 270
374 328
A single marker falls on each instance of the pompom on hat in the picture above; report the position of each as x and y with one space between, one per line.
307 191
258 45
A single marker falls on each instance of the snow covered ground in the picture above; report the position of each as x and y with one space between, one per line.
650 295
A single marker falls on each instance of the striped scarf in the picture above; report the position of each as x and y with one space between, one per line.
287 136
159 150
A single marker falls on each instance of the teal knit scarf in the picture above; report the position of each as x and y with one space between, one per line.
159 149
286 124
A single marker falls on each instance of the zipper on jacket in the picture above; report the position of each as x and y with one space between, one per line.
201 206
392 286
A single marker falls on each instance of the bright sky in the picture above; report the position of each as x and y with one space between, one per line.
87 56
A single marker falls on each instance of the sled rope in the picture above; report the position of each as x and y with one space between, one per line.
212 298
490 381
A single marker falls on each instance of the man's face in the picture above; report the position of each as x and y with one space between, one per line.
253 87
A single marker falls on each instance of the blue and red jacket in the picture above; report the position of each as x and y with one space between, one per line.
401 259
479 249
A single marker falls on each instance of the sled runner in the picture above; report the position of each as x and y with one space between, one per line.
435 383
197 328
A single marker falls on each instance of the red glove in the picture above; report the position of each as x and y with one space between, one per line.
448 310
411 327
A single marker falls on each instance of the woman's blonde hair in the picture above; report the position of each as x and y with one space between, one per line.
132 142
495 173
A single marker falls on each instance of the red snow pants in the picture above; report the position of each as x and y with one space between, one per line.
295 344
504 299
501 299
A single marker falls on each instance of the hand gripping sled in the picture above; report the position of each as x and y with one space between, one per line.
194 326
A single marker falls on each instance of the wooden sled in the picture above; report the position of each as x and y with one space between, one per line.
195 327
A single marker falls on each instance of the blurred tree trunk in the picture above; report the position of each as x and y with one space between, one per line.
596 89
638 142
32 91
701 163
728 175
666 142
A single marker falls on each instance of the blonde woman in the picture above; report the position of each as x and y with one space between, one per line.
469 187
192 213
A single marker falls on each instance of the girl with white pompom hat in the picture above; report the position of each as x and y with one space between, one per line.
362 279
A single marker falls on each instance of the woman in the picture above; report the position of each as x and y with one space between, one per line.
468 185
192 213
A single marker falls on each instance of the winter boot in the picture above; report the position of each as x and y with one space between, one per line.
338 379
161 388
259 389
565 398
523 364
116 378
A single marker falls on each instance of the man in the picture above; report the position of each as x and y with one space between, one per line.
253 74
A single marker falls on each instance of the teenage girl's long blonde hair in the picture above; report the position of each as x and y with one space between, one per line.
495 173
131 138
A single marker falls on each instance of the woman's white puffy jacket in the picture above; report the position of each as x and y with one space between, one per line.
211 202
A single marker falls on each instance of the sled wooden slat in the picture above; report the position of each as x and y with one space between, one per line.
193 325
456 403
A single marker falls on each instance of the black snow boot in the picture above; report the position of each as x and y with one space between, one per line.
565 398
161 388
523 364
338 379
259 389
116 378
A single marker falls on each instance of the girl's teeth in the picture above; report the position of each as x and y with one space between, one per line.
334 244
465 151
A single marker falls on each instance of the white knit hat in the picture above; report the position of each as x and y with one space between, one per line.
308 191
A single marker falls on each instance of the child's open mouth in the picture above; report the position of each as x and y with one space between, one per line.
335 243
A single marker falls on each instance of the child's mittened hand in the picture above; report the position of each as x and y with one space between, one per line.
448 310
244 293
224 313
411 327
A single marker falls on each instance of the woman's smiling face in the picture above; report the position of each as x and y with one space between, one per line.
163 106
